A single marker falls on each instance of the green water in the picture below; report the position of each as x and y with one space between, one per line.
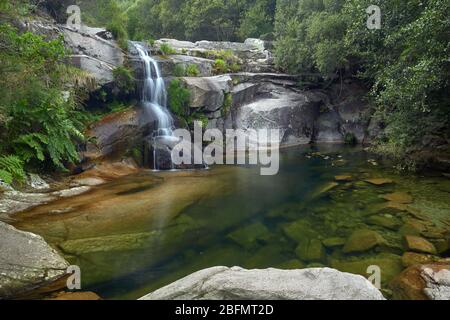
139 233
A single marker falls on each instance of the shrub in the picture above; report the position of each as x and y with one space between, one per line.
220 66
166 49
192 70
179 70
179 98
124 80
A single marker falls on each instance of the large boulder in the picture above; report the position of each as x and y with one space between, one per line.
222 283
26 262
209 92
93 53
277 107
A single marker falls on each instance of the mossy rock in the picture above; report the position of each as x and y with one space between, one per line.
291 265
379 181
363 240
266 257
333 242
413 258
390 266
311 250
384 221
300 230
249 236
419 244
398 197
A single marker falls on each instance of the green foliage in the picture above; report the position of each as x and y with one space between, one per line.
220 66
227 104
192 70
40 120
124 80
200 19
405 64
166 49
179 98
179 70
109 14
11 169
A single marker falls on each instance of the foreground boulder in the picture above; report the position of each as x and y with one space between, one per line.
223 283
26 262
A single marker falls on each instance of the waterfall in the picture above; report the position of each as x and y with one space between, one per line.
154 94
154 102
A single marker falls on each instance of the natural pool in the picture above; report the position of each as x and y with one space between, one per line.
141 232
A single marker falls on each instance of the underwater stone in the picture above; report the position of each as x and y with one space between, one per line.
419 244
384 221
379 181
333 242
412 258
398 197
300 230
343 178
291 264
363 240
311 250
390 265
248 236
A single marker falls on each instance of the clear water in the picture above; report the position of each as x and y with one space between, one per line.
141 232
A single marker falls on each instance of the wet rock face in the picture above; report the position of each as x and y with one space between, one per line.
222 283
26 262
117 133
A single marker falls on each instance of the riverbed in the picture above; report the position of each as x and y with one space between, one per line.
141 232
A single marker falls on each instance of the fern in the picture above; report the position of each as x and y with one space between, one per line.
11 168
31 145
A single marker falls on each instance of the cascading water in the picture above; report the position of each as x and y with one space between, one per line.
154 101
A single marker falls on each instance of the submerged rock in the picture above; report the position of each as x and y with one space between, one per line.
363 240
300 230
412 258
26 262
384 221
247 237
333 242
379 181
390 265
311 250
222 283
419 244
343 178
291 264
399 197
